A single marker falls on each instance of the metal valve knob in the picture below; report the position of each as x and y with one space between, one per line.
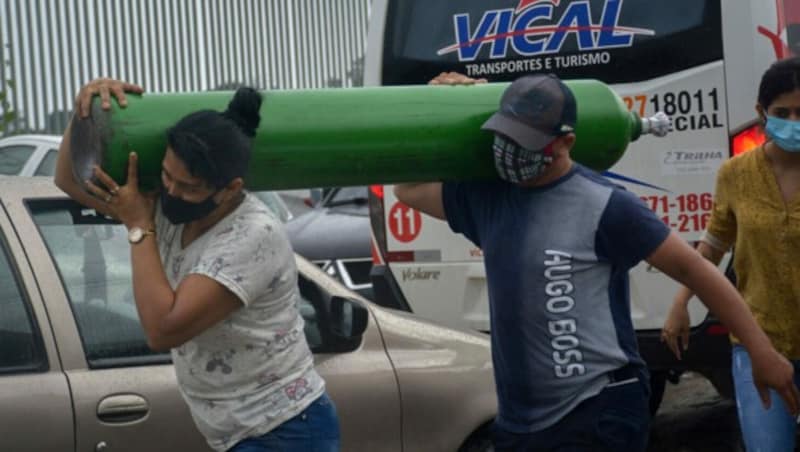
659 124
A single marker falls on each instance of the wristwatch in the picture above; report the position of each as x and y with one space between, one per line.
137 234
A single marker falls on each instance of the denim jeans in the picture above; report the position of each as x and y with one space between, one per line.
316 429
771 430
617 419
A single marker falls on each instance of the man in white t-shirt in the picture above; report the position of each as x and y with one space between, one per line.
215 281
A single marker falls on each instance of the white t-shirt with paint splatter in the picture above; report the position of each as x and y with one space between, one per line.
253 371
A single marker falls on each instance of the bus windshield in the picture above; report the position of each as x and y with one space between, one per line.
611 40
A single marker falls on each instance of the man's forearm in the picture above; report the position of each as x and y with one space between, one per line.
712 255
721 298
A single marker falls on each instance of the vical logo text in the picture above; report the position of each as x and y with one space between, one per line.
532 29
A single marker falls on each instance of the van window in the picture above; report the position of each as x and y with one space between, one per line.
609 40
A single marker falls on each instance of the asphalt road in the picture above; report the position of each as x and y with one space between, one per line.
694 418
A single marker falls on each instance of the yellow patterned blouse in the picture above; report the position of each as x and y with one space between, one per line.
749 212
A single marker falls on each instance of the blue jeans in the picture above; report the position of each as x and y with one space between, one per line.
617 419
316 429
771 430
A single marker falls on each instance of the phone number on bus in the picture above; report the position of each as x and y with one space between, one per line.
689 110
687 212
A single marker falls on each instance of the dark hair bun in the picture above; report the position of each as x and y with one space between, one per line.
244 110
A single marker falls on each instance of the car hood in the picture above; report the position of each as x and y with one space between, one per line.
330 233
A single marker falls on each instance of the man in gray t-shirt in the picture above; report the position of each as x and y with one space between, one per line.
558 240
561 325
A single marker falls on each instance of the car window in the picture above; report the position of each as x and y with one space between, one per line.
20 345
48 165
92 256
13 158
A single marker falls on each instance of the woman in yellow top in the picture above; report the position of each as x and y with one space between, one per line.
757 210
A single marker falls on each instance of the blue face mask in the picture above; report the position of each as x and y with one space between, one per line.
784 133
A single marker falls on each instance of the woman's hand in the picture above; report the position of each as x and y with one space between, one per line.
64 174
675 332
105 87
126 202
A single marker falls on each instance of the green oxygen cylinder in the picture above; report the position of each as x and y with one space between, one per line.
352 136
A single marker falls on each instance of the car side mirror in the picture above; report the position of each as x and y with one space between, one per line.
348 318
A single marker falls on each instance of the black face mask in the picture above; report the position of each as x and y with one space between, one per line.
179 211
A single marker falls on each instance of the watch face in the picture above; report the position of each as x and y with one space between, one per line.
135 235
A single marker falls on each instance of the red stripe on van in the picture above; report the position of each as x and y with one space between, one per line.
400 256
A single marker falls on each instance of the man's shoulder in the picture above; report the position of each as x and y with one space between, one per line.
593 177
474 192
613 199
478 185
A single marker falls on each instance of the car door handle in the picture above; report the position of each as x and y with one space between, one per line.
122 408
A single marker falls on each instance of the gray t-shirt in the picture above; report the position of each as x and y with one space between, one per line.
254 370
557 260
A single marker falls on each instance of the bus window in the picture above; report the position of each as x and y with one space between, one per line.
791 17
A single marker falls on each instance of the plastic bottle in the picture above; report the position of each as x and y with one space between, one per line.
355 136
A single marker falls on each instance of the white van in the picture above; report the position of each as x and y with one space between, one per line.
700 61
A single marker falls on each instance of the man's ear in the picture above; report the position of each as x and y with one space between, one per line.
565 143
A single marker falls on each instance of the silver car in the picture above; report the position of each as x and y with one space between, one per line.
76 373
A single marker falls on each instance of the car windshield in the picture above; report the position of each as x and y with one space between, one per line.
480 38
